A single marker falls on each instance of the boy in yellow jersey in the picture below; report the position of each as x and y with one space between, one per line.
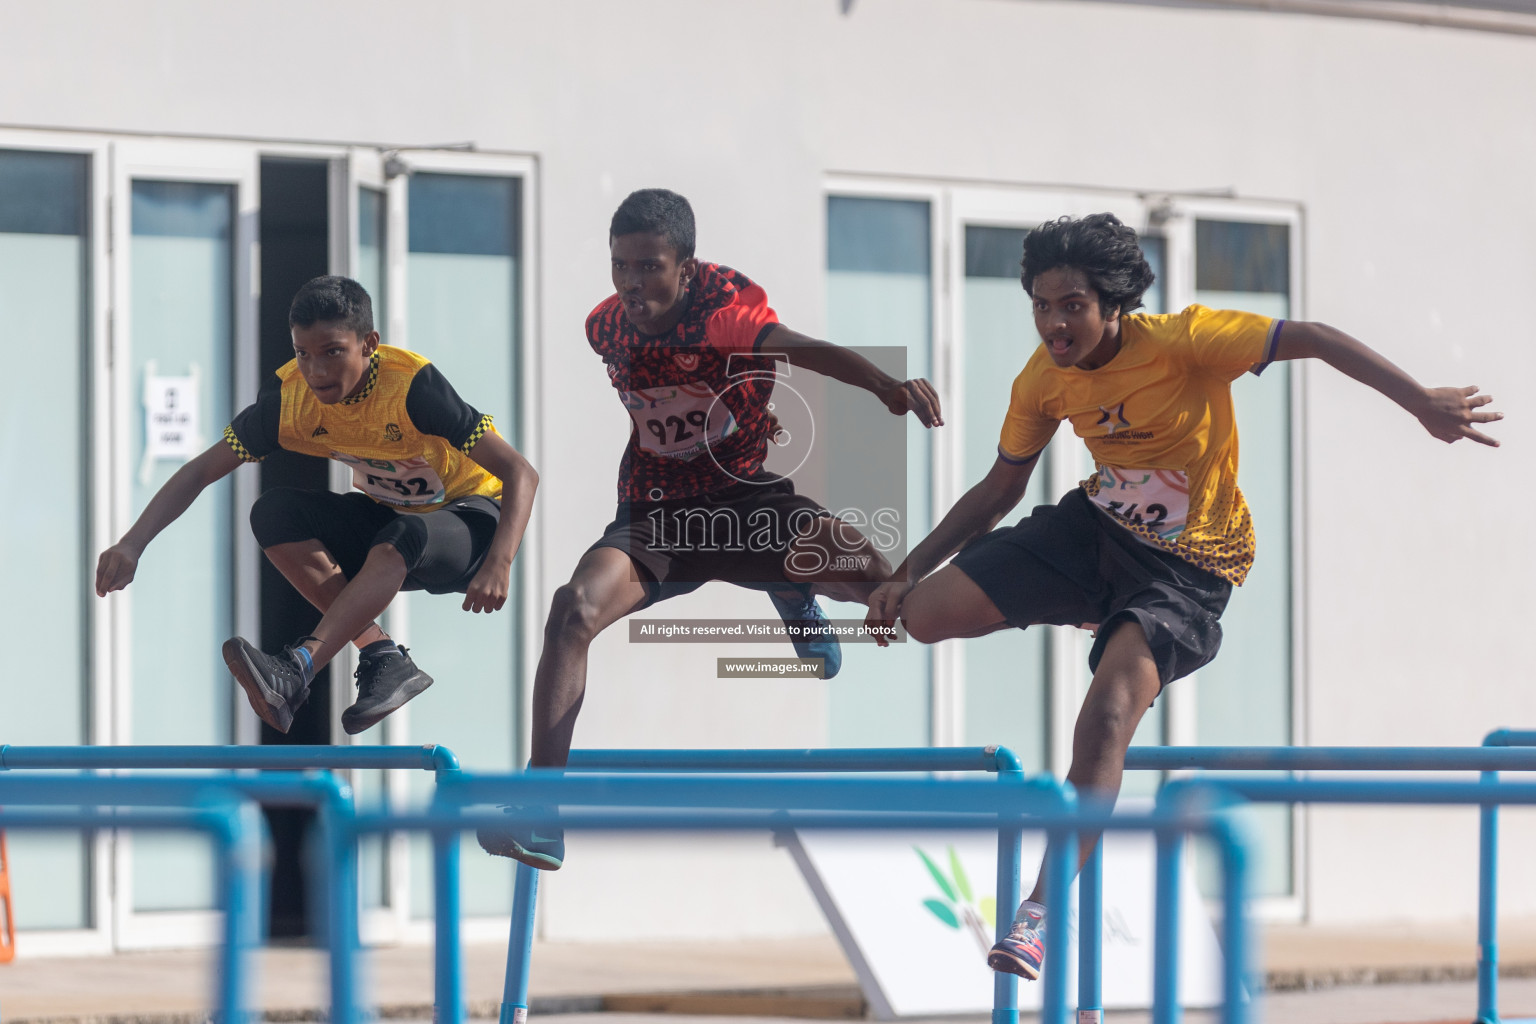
441 503
1148 548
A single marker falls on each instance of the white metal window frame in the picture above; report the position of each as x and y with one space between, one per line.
528 570
1178 215
96 937
943 711
954 206
202 162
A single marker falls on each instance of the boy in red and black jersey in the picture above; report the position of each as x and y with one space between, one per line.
691 349
670 383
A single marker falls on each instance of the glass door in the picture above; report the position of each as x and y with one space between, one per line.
366 244
1229 255
1018 688
183 241
52 276
464 241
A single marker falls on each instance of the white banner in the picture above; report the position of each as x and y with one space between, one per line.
914 912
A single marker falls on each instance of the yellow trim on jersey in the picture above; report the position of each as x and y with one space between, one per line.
481 429
241 452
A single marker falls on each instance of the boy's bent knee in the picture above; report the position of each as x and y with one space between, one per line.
574 615
406 537
922 619
281 516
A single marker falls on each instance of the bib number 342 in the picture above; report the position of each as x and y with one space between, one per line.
1155 499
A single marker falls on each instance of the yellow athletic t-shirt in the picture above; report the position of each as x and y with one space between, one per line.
1158 420
406 436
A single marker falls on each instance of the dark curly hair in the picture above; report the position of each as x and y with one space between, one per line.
333 298
1104 249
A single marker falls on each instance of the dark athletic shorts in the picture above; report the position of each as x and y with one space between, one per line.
442 549
740 534
1069 563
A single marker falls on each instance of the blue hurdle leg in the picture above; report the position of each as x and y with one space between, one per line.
449 1003
1060 862
1005 986
1487 911
514 998
1090 938
1165 944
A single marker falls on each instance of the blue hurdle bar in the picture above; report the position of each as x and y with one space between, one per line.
1487 759
331 802
429 757
202 804
1000 760
723 802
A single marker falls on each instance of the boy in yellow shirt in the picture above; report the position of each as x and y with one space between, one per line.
1148 549
441 503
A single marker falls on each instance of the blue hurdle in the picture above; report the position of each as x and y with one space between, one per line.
202 805
332 798
1488 760
999 760
726 802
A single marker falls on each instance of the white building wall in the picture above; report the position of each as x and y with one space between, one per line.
1408 149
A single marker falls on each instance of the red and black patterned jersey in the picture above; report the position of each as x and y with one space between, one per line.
698 394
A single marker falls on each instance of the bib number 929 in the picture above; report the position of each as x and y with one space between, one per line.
683 428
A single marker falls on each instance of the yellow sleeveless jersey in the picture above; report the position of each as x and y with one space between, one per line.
1158 420
405 436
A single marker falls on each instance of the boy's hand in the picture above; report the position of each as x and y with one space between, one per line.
885 607
488 590
1449 414
914 396
115 568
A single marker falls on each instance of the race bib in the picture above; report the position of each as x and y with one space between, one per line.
680 421
409 482
1154 499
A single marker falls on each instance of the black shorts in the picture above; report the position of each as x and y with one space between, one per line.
1068 564
442 549
740 534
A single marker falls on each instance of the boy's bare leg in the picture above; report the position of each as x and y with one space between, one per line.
314 573
949 605
1122 689
349 607
605 587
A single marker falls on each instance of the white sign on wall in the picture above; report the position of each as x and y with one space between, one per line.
172 427
914 912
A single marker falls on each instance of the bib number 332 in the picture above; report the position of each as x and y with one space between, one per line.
395 481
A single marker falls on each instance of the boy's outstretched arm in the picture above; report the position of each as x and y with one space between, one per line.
976 513
488 590
1448 413
916 396
116 566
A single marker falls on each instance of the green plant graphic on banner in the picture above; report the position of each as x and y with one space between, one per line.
959 906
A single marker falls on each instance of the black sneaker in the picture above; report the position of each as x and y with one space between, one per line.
274 684
542 847
384 683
